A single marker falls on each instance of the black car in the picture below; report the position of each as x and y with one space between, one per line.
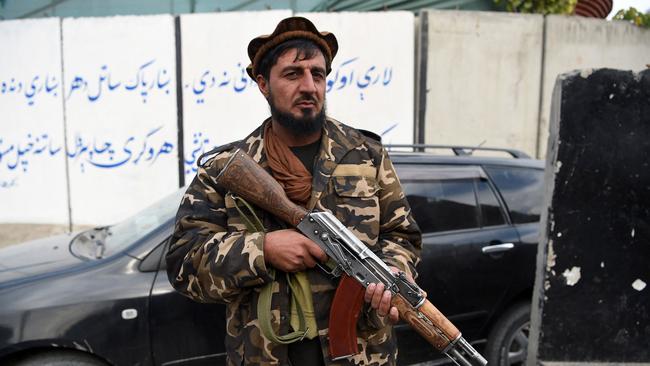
102 296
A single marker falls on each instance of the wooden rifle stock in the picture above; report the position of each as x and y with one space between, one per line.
243 176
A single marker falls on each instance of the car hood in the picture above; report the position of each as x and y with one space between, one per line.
33 258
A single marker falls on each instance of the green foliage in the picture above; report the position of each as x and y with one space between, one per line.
634 16
538 6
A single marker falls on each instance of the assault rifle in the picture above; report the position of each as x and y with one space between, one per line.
356 263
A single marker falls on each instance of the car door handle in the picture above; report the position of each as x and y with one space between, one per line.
498 248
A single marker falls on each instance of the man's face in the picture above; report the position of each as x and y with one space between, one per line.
296 91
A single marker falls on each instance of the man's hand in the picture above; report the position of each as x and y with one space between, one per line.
379 298
290 251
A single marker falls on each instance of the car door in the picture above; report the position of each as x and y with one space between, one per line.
467 246
183 331
522 189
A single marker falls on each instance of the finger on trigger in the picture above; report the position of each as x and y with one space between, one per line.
316 251
309 261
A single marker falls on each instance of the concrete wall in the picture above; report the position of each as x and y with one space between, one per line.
120 115
579 43
489 76
483 75
32 154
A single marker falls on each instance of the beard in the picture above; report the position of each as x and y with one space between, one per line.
308 124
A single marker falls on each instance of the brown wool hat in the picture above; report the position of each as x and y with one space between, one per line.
291 28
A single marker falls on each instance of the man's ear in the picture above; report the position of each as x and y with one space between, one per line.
262 85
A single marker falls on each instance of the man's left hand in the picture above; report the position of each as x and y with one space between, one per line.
379 299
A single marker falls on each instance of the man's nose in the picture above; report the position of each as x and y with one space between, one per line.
307 83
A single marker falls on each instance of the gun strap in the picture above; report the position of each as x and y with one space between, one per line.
253 224
301 301
264 316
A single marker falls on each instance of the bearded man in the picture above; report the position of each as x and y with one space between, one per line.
225 250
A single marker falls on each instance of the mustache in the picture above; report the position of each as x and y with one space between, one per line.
306 98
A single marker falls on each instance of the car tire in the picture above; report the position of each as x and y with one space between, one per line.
60 358
507 343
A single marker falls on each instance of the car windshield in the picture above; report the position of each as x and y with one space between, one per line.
104 241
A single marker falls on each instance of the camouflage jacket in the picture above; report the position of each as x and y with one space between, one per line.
212 258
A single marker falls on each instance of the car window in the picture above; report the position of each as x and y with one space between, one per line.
522 189
491 213
442 205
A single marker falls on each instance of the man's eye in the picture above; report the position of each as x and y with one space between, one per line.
291 75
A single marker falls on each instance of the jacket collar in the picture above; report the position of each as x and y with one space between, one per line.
253 145
336 141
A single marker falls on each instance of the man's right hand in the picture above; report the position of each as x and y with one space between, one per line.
290 251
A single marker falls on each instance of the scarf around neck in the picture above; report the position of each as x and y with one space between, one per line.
286 168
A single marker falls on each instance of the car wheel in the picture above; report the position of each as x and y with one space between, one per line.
508 340
60 358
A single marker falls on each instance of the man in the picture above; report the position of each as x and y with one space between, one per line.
224 250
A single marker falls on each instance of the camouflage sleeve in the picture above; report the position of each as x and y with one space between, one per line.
207 260
399 235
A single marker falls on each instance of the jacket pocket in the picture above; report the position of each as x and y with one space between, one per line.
357 206
355 186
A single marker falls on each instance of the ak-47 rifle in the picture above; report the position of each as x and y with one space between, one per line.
357 264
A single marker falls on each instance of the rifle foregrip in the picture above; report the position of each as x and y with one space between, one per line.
244 177
428 321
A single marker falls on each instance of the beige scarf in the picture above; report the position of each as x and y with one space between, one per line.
287 169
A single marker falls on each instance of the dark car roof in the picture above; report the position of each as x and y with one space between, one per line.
401 157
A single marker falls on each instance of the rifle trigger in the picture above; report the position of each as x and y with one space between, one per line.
334 272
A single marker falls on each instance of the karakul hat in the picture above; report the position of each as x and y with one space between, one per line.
291 28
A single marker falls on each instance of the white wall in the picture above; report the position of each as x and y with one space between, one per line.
32 152
368 87
120 99
117 101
